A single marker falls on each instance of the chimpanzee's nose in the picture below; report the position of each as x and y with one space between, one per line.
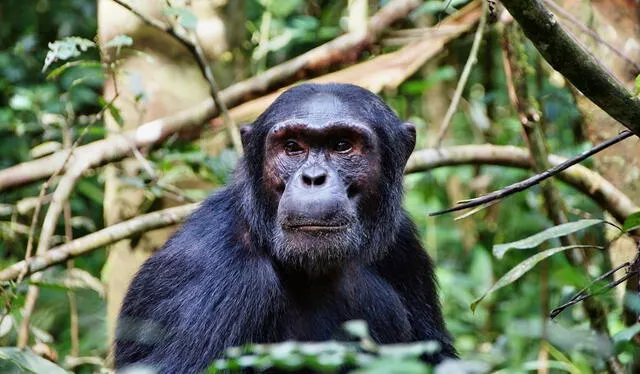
314 176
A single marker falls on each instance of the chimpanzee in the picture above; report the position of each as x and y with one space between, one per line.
309 234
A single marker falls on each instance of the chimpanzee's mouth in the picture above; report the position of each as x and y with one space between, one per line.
316 228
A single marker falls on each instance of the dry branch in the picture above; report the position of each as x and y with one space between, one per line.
531 181
583 179
586 181
462 82
111 234
193 46
387 71
343 48
568 57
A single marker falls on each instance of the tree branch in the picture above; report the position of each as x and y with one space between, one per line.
520 186
583 179
193 46
462 82
88 243
571 59
563 13
343 48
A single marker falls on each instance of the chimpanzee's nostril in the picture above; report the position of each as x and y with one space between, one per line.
314 177
320 180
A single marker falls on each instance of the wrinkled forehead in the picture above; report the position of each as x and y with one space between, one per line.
318 109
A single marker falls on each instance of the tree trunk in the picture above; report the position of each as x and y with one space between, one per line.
162 80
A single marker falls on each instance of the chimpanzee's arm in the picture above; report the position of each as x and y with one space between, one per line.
410 271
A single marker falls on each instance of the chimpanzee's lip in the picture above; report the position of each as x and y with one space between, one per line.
315 228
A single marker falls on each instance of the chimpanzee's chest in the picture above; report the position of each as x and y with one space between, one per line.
318 313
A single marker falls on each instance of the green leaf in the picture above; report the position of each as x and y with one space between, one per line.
403 351
553 232
522 268
357 328
64 67
632 222
66 48
115 112
119 41
627 334
386 366
283 8
91 190
187 19
638 84
26 361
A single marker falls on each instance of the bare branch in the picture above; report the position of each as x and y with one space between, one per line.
88 243
520 186
564 14
466 71
341 49
588 182
585 180
193 46
571 59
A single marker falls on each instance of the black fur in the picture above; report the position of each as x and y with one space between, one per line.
216 283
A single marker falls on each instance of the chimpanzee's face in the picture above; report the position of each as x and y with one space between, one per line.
322 166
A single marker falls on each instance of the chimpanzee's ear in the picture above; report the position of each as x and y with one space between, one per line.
410 131
245 134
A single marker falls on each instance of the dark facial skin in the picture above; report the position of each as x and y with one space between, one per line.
319 168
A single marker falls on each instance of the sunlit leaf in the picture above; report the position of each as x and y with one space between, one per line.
409 350
357 328
632 222
20 102
6 325
119 41
522 268
6 209
386 366
185 17
627 334
553 232
27 362
64 67
67 48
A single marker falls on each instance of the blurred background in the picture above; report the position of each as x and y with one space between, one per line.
77 72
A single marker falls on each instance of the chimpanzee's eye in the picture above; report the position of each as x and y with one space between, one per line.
343 146
292 148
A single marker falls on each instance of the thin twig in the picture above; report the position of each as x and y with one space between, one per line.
48 228
571 60
192 44
68 234
466 71
583 295
45 185
532 181
563 13
586 181
335 52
